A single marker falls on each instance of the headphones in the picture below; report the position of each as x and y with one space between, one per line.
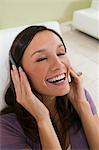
12 60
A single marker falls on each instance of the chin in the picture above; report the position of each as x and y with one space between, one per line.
62 92
56 91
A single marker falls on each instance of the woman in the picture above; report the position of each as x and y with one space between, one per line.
45 110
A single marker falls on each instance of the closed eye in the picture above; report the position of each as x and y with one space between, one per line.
61 54
41 59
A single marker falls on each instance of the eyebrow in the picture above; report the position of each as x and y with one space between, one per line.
38 51
42 50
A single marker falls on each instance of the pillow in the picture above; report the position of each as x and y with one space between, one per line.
6 38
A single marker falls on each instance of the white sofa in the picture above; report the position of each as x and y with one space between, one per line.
6 38
87 20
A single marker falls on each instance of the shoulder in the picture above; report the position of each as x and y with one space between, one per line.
9 121
91 101
8 118
11 133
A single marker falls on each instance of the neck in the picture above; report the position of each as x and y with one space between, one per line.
49 102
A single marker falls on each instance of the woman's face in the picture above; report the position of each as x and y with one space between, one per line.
47 65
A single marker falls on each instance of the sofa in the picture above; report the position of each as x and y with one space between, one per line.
87 20
6 38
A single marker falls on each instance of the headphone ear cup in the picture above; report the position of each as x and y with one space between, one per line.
12 61
69 78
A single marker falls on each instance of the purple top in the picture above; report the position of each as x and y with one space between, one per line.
12 136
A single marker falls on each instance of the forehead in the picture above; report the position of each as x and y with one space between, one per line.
45 37
43 40
46 33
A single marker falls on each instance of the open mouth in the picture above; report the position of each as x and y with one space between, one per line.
58 79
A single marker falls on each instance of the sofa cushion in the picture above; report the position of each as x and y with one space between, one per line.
95 4
86 20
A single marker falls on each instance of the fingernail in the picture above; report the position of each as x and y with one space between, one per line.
13 66
20 69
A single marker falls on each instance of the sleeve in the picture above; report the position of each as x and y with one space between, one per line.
91 102
11 135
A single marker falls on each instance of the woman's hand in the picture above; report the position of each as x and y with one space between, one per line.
89 121
29 101
77 93
25 96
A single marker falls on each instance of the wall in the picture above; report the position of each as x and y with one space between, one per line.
20 12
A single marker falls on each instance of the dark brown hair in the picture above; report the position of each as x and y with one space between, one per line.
67 113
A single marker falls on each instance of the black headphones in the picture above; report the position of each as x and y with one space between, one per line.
12 60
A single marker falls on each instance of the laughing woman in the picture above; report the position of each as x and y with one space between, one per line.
45 109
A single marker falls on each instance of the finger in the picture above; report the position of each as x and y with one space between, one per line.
73 73
75 77
68 75
77 73
16 81
23 89
24 82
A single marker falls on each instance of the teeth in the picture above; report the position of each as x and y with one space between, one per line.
60 77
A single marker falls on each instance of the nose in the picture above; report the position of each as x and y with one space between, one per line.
56 64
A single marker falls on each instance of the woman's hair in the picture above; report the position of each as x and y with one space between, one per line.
67 113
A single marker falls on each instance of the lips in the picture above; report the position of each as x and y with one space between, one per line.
58 78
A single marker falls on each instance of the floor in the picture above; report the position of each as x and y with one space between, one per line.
83 51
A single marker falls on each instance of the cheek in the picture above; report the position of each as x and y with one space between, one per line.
38 81
37 75
68 63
